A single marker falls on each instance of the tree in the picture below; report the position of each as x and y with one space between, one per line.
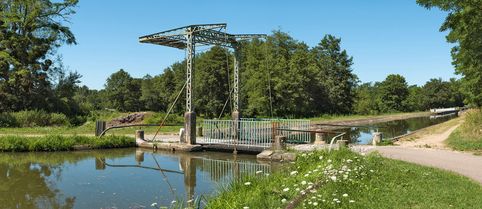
123 92
211 81
393 93
30 31
439 94
464 23
415 100
336 74
365 102
150 94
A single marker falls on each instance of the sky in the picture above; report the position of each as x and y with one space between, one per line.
384 37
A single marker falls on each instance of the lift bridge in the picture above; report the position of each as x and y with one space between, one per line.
237 131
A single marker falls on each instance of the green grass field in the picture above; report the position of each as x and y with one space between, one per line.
343 179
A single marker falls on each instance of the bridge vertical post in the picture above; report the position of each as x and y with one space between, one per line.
190 115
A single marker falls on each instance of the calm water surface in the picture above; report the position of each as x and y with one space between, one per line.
119 178
391 129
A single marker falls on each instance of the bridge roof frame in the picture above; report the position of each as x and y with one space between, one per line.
203 34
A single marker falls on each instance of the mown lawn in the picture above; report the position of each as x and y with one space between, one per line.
343 179
468 136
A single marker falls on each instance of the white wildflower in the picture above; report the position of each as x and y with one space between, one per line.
293 173
247 183
333 178
345 195
286 189
283 200
245 207
303 182
329 161
352 201
315 203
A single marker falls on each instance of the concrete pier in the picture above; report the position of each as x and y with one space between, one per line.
190 128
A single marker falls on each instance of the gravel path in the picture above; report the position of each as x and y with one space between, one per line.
463 163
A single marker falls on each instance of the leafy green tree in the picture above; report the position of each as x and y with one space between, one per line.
366 96
336 74
393 93
211 81
440 94
123 92
150 94
30 31
464 24
415 100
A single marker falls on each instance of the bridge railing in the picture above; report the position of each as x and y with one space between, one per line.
254 132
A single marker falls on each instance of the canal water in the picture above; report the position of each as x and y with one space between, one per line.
390 129
117 178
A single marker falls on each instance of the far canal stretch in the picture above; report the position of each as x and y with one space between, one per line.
390 129
120 178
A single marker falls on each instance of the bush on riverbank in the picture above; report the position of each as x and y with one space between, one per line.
343 179
61 143
468 137
33 118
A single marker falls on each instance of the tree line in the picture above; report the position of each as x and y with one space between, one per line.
280 76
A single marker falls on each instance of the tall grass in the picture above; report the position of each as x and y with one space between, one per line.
468 137
61 143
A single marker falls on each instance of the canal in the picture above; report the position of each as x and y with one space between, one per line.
118 178
390 129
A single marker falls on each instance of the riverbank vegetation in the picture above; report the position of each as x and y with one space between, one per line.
62 143
343 179
468 136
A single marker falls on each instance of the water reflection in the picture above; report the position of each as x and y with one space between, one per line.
121 178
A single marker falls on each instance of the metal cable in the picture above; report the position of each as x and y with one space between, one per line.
169 111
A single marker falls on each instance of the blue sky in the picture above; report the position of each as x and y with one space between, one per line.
384 37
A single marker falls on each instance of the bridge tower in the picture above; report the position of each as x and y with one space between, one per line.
186 38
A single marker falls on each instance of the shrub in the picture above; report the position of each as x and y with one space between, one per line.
7 120
58 119
32 118
172 119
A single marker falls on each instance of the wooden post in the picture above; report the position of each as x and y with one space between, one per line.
99 127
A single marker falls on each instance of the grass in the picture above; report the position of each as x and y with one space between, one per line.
343 179
86 129
51 143
468 136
